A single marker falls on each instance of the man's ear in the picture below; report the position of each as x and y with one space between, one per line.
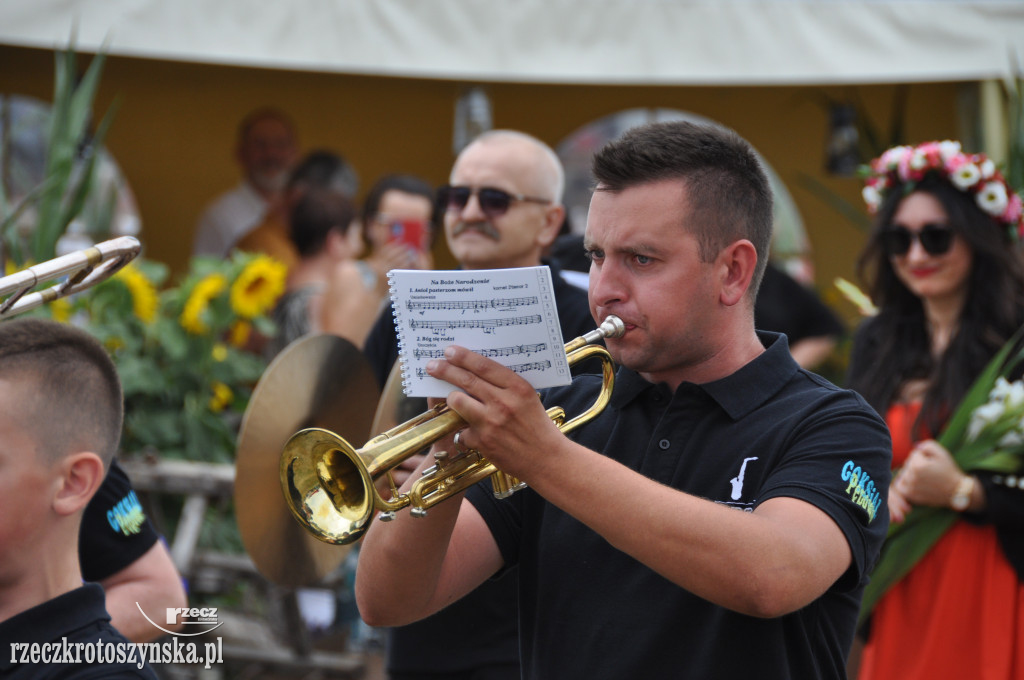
554 216
81 476
737 262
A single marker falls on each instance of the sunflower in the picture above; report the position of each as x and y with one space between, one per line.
239 333
257 288
220 352
222 396
145 299
208 288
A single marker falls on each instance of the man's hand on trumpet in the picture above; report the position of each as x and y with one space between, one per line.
506 420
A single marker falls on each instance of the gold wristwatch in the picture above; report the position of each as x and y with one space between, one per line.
961 499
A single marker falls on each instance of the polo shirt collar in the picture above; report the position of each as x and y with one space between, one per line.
50 620
738 393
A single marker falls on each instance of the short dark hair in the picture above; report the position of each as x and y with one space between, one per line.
314 214
728 191
407 184
326 170
76 402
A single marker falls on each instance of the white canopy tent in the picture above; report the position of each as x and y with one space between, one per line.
657 42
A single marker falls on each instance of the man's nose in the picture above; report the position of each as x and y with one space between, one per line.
472 212
606 285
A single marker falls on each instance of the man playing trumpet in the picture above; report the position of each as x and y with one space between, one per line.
720 517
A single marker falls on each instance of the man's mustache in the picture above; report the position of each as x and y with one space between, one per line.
485 228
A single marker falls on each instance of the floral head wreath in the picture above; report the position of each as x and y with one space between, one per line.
973 174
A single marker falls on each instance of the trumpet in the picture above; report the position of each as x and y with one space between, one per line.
331 488
83 269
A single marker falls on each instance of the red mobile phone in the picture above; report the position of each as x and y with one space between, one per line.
411 233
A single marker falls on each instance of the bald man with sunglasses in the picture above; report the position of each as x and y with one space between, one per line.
502 209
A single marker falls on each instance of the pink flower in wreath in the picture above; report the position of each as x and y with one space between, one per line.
1014 211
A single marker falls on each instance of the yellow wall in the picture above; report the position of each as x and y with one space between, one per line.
174 131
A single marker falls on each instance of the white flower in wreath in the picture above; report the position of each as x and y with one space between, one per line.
872 197
918 160
988 168
993 199
948 150
891 158
965 176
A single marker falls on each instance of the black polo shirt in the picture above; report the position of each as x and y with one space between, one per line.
78 616
770 429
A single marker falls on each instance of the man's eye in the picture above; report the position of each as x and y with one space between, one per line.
593 255
642 259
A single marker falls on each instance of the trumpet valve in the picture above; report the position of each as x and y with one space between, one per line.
440 459
418 512
386 516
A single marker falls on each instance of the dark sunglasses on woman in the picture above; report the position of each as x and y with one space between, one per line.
493 202
936 239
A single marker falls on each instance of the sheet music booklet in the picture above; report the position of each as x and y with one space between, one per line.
508 315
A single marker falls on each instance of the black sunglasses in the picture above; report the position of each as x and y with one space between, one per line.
493 202
936 239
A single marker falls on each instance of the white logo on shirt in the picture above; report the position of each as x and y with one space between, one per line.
737 481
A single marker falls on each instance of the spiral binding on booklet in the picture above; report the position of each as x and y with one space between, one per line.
393 292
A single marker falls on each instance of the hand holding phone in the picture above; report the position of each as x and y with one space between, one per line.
411 233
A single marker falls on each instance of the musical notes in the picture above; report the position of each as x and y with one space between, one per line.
490 353
484 324
507 315
475 305
518 368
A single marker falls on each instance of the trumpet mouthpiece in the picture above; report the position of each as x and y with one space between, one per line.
612 327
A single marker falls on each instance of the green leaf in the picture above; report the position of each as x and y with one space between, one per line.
80 191
140 376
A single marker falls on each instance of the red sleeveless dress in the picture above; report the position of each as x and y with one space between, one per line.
958 614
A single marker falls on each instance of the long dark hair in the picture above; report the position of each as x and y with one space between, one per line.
992 312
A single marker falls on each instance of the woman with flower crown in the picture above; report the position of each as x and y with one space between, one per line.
944 269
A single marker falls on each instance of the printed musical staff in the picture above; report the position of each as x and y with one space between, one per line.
518 368
476 305
505 315
485 324
491 352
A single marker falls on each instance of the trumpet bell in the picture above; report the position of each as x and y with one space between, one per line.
318 381
330 486
323 483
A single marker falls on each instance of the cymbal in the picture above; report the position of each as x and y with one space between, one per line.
319 380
